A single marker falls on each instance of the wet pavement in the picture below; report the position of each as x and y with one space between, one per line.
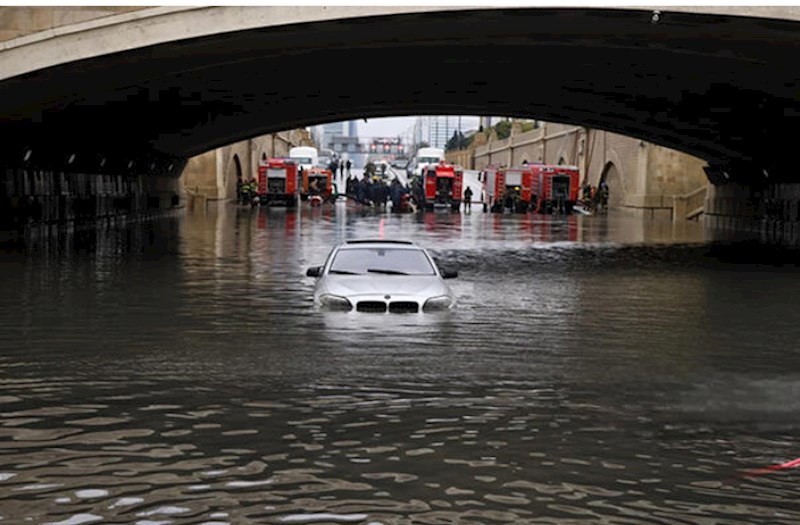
596 370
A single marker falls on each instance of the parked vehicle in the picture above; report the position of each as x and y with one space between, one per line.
508 188
543 188
316 181
277 182
515 186
305 156
426 156
381 276
399 163
442 185
557 188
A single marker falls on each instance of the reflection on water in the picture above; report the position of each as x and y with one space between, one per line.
596 370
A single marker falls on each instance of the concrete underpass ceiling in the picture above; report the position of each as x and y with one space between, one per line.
722 88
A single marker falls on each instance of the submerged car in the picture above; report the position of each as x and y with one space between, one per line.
381 276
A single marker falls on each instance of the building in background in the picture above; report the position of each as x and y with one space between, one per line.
325 135
435 131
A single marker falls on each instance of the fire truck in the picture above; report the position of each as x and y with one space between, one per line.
557 188
442 185
277 182
510 187
324 183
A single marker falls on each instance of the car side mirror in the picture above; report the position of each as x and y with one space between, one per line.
449 274
314 271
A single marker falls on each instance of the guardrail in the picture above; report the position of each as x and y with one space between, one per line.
691 205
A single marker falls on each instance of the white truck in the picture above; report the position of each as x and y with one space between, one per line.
427 156
306 157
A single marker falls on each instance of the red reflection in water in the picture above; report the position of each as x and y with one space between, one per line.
291 221
773 468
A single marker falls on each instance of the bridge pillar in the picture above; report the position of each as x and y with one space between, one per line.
755 209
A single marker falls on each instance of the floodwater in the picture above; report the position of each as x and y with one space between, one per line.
596 370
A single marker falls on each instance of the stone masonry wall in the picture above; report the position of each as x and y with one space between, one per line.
20 21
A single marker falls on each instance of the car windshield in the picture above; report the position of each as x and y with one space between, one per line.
302 160
389 261
429 160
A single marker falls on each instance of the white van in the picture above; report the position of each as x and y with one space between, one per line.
427 156
305 156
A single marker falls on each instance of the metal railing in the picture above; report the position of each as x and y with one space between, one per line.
691 205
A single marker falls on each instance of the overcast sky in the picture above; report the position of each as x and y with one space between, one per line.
394 126
385 127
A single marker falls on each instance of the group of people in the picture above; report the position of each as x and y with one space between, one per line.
373 190
595 197
510 199
340 167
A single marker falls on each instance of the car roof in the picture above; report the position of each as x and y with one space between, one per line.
392 243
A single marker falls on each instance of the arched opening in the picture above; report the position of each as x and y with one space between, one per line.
561 161
231 182
238 167
264 157
616 190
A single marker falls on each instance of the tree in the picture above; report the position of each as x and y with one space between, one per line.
457 142
503 129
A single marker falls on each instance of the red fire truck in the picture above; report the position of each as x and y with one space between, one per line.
277 182
557 188
488 177
512 188
442 185
317 181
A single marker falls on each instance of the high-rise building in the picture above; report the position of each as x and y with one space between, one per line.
326 133
437 130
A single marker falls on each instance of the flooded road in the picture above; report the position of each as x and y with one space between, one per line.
597 370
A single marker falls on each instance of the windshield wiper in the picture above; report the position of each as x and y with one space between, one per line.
343 272
387 272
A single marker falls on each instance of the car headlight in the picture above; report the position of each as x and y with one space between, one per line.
441 302
335 302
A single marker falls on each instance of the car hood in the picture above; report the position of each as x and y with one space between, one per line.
350 285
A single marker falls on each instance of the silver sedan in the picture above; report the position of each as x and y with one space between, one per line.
381 276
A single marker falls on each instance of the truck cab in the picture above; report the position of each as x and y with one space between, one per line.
305 157
425 157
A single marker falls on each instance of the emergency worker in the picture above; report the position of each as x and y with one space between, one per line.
247 194
468 200
586 191
369 169
518 205
361 190
239 191
395 193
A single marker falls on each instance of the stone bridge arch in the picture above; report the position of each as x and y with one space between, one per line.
154 87
192 66
616 185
